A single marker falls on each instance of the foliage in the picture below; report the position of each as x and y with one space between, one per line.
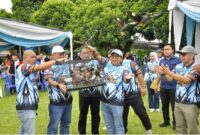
141 53
155 27
4 14
23 9
98 18
95 21
84 19
54 13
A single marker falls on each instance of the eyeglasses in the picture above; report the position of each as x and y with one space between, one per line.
183 54
33 57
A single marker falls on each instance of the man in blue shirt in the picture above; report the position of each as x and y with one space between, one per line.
27 91
60 106
88 98
132 96
168 88
186 110
112 95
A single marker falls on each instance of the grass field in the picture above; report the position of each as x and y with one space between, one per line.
9 122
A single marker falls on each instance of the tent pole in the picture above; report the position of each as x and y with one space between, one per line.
71 46
170 28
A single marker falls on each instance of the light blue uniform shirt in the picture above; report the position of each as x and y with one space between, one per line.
26 88
151 70
131 87
113 92
185 93
55 95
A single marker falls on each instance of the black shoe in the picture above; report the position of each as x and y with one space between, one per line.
164 125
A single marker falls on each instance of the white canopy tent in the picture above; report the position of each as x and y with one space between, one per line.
178 9
29 36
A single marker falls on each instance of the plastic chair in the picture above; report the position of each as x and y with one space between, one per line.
42 85
8 82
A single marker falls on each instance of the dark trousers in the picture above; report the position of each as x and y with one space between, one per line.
13 90
137 104
153 97
84 103
167 96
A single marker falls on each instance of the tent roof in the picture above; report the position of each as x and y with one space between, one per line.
189 7
28 35
187 11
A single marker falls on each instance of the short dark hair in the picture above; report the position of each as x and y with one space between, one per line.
171 45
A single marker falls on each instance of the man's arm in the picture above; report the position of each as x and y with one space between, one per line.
179 78
95 53
138 73
157 83
142 84
47 65
60 86
197 68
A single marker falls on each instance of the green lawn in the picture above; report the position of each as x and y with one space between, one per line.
9 122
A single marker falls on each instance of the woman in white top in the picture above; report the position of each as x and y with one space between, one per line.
153 96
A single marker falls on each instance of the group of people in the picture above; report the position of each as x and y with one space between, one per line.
124 87
162 89
176 82
179 86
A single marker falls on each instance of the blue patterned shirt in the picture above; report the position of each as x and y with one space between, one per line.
55 95
133 68
113 91
185 93
151 70
26 88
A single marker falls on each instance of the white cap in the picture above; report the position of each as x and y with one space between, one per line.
117 51
57 49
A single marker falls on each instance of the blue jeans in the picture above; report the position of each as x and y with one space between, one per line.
153 98
27 119
62 114
113 120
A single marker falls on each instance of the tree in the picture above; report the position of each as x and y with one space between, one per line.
4 14
156 25
104 23
98 18
84 18
23 9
